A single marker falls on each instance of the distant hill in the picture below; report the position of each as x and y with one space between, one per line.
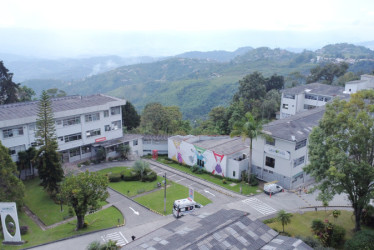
368 44
217 55
197 85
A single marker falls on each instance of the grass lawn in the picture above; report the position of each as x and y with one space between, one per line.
301 223
246 189
103 219
155 200
130 188
37 199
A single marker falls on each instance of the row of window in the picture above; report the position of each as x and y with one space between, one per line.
319 98
12 132
114 126
298 161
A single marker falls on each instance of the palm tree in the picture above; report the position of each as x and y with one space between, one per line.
141 167
251 129
284 218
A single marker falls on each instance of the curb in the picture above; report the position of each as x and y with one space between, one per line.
171 169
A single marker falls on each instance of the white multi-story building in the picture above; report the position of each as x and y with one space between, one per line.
305 97
83 124
366 82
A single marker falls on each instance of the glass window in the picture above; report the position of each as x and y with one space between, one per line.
300 144
73 137
285 106
115 110
107 127
289 96
12 132
74 152
93 132
116 125
16 149
71 121
86 149
270 162
135 142
233 173
106 113
299 161
92 117
7 133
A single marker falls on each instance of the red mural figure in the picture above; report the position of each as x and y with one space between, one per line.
218 167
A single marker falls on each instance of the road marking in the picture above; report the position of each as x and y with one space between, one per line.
135 212
259 206
171 176
180 180
116 236
206 191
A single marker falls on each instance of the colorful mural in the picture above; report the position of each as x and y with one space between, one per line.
199 158
178 155
218 167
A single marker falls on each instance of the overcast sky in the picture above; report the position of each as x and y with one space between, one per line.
164 27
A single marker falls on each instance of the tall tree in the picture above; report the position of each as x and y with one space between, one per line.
248 128
154 119
274 82
327 73
219 121
25 94
84 192
130 118
8 89
47 158
55 92
341 151
11 188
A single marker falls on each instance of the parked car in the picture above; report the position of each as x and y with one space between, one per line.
272 188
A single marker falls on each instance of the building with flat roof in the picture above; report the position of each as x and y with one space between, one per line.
305 97
83 124
366 82
220 155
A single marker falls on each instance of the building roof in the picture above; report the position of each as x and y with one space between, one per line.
220 144
356 82
29 109
124 138
224 229
316 88
296 127
156 137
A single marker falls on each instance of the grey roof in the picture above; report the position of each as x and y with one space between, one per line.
28 109
124 138
296 127
357 81
224 229
156 137
220 144
316 88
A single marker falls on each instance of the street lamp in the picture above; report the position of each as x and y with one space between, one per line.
165 194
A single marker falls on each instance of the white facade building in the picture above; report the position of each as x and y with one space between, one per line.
220 155
305 97
366 82
82 124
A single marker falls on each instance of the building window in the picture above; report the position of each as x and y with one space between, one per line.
92 117
107 127
233 173
32 126
93 132
116 125
306 106
289 96
58 122
12 132
71 121
298 161
86 149
106 113
74 152
270 162
285 106
300 144
115 110
310 97
271 172
112 148
272 143
126 143
135 142
73 137
16 149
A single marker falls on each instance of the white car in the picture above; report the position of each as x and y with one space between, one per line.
272 188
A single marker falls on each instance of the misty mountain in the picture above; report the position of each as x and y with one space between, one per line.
346 51
216 55
66 69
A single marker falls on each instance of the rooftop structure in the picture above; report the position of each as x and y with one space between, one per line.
366 82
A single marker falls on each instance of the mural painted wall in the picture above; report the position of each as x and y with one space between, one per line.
191 155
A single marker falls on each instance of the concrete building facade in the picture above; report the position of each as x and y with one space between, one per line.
366 82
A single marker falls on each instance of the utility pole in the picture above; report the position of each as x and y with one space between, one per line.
165 195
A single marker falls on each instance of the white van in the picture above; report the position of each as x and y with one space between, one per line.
272 188
184 206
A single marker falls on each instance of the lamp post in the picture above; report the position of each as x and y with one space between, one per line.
165 195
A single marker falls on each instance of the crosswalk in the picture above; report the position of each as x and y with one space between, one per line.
116 236
260 206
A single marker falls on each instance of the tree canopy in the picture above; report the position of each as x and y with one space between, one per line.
327 73
55 92
341 150
130 118
11 188
8 89
84 192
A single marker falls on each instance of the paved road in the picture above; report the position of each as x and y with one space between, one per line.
140 221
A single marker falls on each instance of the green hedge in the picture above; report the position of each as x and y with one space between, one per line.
115 177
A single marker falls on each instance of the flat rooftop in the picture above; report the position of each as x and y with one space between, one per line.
317 89
220 144
224 229
296 127
29 109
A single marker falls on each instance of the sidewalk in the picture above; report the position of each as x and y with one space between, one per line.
197 179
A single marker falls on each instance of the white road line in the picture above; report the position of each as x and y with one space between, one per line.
171 176
180 180
116 236
259 206
124 237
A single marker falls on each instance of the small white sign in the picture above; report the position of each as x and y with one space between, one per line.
277 152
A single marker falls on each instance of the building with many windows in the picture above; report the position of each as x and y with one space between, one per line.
83 124
306 97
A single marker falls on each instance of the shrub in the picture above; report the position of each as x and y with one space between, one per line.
24 230
95 245
224 181
150 176
253 180
330 235
271 220
361 240
130 176
337 237
115 177
317 226
368 216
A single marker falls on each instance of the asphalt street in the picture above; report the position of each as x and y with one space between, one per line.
141 221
